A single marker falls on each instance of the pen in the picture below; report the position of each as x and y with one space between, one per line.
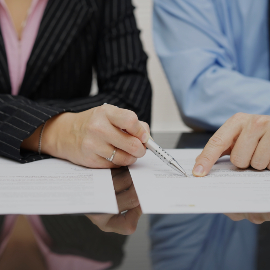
164 156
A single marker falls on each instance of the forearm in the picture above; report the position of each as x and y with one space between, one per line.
218 94
204 68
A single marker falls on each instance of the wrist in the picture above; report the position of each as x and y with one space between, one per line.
54 135
31 143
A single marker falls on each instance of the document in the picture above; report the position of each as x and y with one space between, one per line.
226 189
54 186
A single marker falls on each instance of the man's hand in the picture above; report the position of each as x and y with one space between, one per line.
127 200
256 218
245 137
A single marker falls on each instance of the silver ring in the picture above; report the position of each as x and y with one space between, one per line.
113 154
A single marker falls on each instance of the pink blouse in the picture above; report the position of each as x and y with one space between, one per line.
18 53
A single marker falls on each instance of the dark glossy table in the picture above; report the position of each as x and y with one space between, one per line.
198 140
22 251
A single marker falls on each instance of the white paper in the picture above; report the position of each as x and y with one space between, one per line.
54 186
225 190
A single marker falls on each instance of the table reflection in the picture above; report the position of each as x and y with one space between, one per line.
22 251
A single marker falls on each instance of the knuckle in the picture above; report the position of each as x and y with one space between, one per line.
126 160
101 108
96 219
258 165
134 202
217 141
87 145
255 219
105 229
238 161
234 216
125 182
92 163
142 152
259 121
239 116
104 108
206 159
96 127
134 145
98 111
139 132
131 118
130 229
146 126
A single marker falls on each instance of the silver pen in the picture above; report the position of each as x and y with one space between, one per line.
164 156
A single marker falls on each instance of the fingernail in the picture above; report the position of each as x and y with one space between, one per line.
145 137
198 171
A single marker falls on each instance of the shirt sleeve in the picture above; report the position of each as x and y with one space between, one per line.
201 65
122 78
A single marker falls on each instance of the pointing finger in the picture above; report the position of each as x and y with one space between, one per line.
218 144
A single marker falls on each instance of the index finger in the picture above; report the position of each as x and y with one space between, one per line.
127 120
217 144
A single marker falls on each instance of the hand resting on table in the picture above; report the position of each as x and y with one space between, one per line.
87 139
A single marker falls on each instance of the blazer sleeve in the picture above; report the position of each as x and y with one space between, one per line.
120 65
19 118
122 79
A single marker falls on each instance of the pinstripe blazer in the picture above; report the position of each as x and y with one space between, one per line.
75 37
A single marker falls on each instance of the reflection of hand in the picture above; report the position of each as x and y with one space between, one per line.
127 200
245 137
87 138
256 218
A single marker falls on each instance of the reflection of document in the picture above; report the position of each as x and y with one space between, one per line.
225 190
54 186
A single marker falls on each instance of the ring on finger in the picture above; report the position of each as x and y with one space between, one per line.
112 156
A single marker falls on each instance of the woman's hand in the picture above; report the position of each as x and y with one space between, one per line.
127 200
89 137
245 137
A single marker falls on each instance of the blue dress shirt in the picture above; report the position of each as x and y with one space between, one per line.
216 57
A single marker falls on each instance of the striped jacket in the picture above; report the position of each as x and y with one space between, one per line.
76 37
